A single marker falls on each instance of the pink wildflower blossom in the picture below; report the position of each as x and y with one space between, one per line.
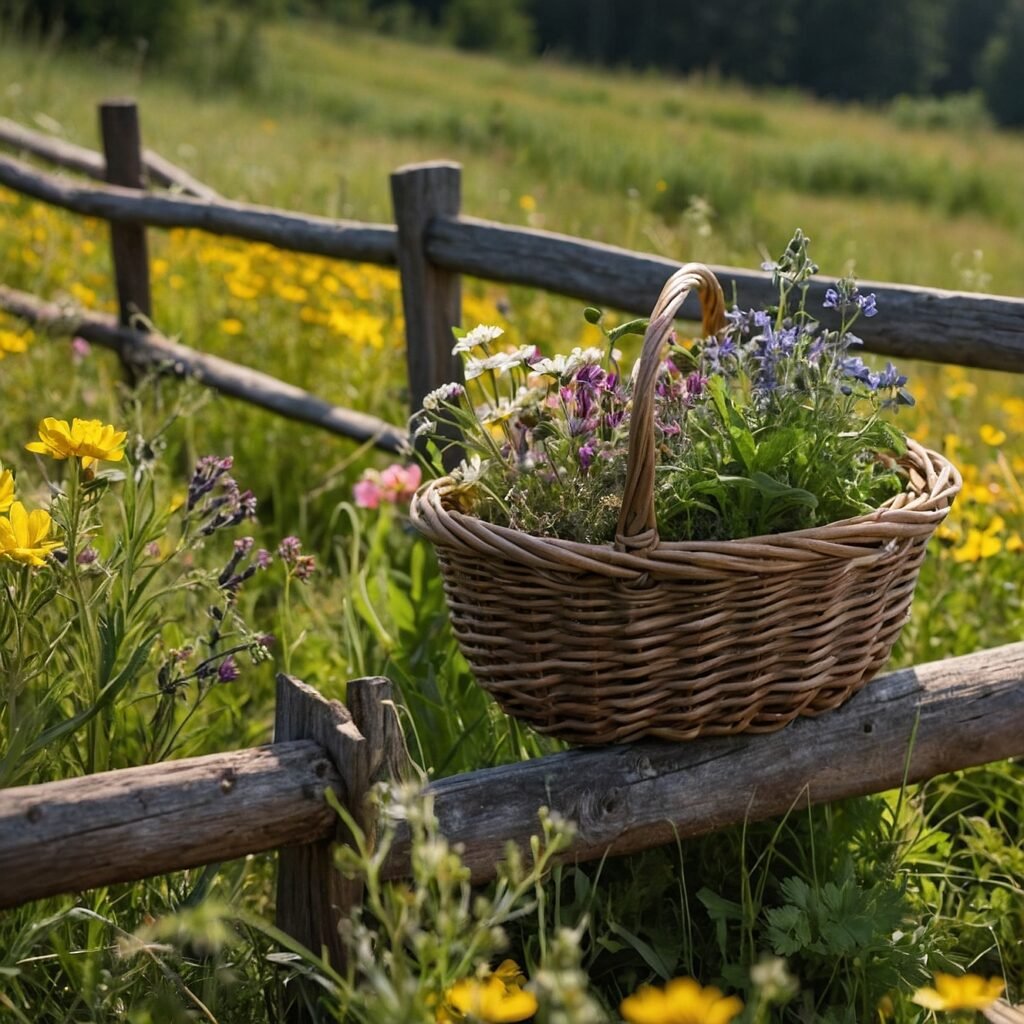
394 486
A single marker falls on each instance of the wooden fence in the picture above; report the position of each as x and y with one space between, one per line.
120 826
123 825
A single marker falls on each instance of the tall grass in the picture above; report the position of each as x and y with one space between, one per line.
694 169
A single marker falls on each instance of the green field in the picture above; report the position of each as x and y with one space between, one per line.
864 899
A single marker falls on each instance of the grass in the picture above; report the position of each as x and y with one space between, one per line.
618 158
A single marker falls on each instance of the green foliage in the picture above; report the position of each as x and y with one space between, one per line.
1002 68
319 140
158 27
769 426
481 25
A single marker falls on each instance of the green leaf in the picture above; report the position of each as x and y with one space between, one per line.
651 957
638 326
776 489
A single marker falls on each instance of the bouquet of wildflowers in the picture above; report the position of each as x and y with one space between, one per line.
772 425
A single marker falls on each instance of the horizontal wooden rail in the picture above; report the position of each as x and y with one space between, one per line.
956 714
120 826
985 331
91 163
144 349
145 821
321 236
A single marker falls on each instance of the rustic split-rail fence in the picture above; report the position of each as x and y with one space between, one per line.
118 826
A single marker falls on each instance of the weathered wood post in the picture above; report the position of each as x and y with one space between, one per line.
364 740
122 149
431 296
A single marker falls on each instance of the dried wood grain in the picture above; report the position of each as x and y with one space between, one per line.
431 296
122 151
159 169
960 712
123 825
368 243
986 331
311 896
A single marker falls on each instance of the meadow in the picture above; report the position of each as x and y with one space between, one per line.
863 900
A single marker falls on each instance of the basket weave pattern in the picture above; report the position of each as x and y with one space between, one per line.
611 643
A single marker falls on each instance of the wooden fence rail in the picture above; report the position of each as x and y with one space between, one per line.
141 350
92 164
123 825
297 232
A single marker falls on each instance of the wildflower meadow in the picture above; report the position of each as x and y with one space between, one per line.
165 551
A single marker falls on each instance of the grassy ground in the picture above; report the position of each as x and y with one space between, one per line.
686 169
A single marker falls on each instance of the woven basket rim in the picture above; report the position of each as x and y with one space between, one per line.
915 511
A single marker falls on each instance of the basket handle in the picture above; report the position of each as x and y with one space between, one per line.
637 527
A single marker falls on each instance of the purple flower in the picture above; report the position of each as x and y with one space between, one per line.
890 377
580 426
263 558
209 469
87 555
305 566
289 549
586 454
80 349
695 385
831 299
854 368
244 545
867 304
228 670
591 376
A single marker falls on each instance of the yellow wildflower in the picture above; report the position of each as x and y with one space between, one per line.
681 1001
10 341
992 435
241 289
978 545
232 326
6 489
85 295
23 535
89 440
176 281
291 292
661 185
527 203
968 992
495 1000
1014 407
961 389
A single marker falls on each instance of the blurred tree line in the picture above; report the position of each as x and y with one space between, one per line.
871 51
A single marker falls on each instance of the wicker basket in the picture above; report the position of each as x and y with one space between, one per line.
610 643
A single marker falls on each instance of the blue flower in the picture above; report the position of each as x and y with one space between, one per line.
854 368
890 377
866 303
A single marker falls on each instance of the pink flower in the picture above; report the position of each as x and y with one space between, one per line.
367 493
394 485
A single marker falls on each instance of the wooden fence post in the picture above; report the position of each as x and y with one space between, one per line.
431 297
122 149
366 746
